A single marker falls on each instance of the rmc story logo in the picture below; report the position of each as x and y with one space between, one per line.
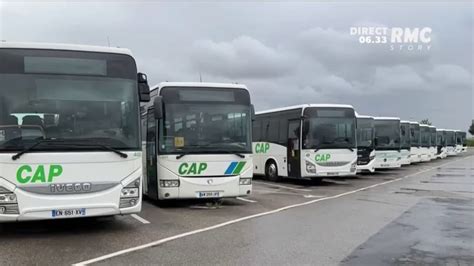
398 39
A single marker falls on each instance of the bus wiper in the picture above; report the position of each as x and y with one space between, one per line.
105 147
179 156
234 153
36 144
62 142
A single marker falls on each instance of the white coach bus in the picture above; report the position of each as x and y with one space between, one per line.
198 141
459 140
464 141
450 142
415 142
69 131
365 143
405 143
433 146
308 141
441 143
425 136
387 142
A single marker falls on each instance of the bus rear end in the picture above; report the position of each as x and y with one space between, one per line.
69 138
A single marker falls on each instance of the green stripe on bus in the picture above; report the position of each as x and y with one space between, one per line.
239 168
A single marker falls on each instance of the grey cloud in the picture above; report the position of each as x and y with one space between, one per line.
243 57
286 53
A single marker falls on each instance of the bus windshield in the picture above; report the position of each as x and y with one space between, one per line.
68 95
439 138
425 136
329 128
195 123
433 137
365 132
415 135
405 135
450 138
387 133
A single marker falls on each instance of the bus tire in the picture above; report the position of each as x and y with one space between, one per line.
271 171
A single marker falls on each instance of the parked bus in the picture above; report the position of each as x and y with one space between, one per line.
459 140
405 142
308 141
425 135
464 141
387 142
440 143
69 131
365 143
198 141
450 142
433 147
415 142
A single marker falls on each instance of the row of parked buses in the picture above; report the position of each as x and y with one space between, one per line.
82 134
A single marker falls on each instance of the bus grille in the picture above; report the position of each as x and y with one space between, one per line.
332 164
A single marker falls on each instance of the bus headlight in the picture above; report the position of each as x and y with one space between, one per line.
130 194
169 183
8 202
353 167
310 167
245 181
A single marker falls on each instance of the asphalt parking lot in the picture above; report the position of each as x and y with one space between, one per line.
342 220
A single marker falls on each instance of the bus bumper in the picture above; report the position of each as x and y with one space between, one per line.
387 163
207 187
33 206
366 167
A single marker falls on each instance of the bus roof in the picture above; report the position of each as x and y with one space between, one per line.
424 125
405 122
414 123
303 106
67 47
386 118
364 116
199 85
432 126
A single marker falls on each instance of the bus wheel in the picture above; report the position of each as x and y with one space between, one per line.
271 171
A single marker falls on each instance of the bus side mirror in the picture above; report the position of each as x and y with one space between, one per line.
376 141
158 107
143 88
252 110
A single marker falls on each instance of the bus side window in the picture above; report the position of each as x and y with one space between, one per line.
257 130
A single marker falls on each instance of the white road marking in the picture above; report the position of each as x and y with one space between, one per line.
168 239
280 186
313 196
140 219
247 200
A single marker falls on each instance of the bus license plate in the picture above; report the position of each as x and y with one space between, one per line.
209 194
68 213
332 173
385 165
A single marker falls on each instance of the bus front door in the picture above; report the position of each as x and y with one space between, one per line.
293 148
151 156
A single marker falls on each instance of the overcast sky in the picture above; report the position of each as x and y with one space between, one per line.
286 53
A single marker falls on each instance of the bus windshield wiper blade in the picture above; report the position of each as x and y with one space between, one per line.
94 144
36 144
64 143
